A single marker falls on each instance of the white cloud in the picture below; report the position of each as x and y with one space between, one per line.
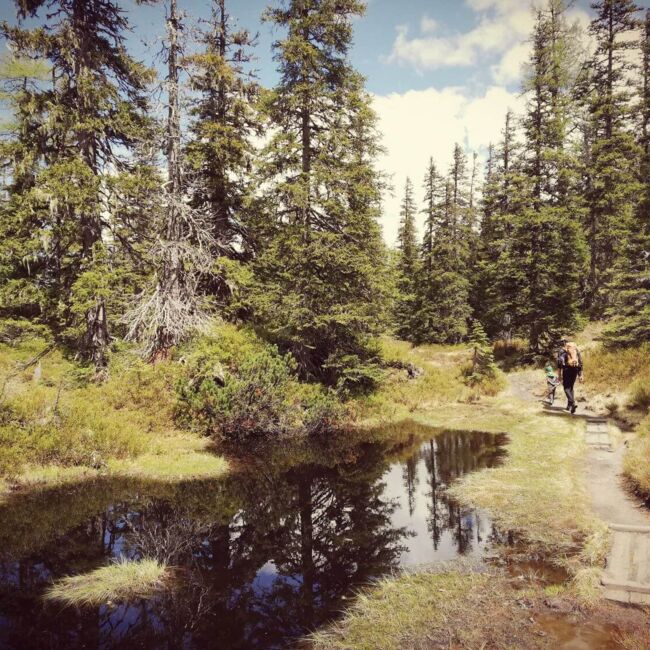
502 25
508 70
503 28
419 124
428 25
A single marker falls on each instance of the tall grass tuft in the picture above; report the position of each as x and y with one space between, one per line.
122 581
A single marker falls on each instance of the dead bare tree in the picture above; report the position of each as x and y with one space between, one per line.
165 315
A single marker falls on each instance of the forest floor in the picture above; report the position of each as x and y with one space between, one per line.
556 495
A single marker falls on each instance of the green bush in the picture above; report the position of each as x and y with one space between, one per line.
236 387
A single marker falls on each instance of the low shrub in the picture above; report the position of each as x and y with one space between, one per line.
236 387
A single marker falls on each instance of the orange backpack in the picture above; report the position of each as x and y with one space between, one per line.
572 360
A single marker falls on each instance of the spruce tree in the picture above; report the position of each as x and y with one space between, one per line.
434 192
508 193
319 270
92 112
483 365
220 154
541 263
630 291
171 308
407 265
614 153
449 295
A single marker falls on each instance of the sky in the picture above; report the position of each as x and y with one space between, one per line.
439 71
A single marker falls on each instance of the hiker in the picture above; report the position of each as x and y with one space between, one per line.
552 382
569 363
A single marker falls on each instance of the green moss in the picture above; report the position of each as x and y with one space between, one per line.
122 581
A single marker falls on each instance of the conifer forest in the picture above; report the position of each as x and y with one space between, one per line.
217 364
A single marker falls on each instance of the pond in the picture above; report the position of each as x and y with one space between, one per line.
265 556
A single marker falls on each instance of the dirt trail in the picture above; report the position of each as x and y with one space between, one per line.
603 469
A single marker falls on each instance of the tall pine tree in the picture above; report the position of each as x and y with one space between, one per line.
537 254
630 310
407 265
319 267
613 151
89 116
434 193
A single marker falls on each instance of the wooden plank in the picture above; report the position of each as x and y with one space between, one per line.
627 528
633 568
643 553
619 559
625 585
620 595
639 599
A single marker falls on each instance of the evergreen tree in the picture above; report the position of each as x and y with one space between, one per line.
449 293
319 269
94 109
434 191
630 310
220 153
407 266
171 308
483 365
541 261
613 183
507 194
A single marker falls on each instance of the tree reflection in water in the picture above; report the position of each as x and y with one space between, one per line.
263 557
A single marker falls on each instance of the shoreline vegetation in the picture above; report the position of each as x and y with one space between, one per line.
542 466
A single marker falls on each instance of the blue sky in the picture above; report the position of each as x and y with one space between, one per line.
440 71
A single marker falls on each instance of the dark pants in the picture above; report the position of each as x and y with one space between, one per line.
569 376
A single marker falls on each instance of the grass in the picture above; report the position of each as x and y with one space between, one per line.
538 491
441 382
123 581
57 425
450 609
636 464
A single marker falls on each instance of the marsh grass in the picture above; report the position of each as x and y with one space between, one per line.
636 464
122 581
451 608
57 425
538 490
441 382
609 371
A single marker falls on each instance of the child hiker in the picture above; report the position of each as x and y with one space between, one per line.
552 382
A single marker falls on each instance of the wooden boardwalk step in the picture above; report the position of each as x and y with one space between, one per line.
597 433
627 577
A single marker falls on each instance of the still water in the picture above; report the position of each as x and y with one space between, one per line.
265 556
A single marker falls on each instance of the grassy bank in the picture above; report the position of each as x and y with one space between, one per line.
430 610
57 425
618 381
440 382
453 608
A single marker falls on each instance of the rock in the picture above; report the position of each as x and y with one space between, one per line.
559 605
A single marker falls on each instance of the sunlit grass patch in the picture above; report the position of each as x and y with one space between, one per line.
538 490
439 381
33 475
122 581
171 466
430 610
